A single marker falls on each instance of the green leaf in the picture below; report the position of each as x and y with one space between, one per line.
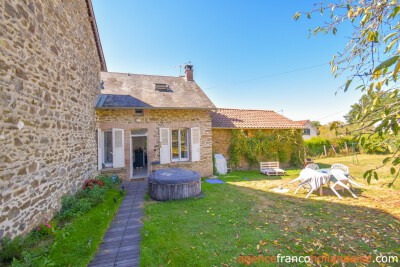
387 63
375 175
347 85
389 36
385 160
392 171
296 16
334 31
395 12
390 45
308 15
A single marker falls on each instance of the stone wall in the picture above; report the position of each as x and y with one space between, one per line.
153 120
49 80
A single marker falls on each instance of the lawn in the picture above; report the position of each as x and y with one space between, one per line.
244 217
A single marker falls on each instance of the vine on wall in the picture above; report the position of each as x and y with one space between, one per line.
276 145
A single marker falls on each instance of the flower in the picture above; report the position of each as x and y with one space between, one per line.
48 225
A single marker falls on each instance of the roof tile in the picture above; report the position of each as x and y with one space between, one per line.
251 119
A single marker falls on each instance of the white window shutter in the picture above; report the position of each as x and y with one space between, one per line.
165 146
195 143
100 148
118 148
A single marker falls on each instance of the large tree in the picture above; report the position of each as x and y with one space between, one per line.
370 61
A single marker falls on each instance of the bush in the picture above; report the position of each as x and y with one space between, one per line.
95 194
73 207
10 249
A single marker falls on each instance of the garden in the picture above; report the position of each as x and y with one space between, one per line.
243 218
72 237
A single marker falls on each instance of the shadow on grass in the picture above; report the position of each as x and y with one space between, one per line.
237 176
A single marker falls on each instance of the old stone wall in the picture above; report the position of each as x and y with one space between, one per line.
49 81
153 120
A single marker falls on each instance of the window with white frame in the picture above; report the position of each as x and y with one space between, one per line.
307 131
111 148
182 144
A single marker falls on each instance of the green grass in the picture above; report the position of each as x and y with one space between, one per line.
77 242
244 217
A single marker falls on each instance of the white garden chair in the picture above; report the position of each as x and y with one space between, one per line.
346 171
305 175
342 167
312 179
313 166
339 180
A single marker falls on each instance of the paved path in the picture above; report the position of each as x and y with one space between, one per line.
121 243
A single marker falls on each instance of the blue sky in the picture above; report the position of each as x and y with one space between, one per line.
246 54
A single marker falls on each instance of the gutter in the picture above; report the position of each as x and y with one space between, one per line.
95 30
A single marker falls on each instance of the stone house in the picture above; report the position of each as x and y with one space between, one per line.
50 63
309 129
224 121
149 122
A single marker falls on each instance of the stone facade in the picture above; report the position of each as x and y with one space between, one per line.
49 80
153 120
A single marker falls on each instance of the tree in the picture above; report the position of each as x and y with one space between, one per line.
371 62
316 124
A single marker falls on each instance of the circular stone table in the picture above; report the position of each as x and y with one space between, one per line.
174 183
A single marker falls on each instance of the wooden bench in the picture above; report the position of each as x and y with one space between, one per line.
271 168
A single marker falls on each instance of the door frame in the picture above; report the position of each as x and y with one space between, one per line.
131 154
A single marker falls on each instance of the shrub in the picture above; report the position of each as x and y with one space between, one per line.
95 195
108 181
73 207
10 249
276 145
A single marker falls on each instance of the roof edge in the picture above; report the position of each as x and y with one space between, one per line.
157 108
92 20
257 128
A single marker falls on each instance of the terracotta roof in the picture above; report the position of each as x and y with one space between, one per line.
251 119
302 122
122 90
93 24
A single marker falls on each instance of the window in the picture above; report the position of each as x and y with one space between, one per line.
108 149
307 131
139 112
179 145
162 87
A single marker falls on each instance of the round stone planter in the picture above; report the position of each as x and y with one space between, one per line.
174 183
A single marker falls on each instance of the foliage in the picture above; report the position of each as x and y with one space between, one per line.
87 213
11 249
315 146
343 146
316 124
77 243
88 184
276 145
372 57
74 205
44 230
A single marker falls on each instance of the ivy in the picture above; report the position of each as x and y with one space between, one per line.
275 145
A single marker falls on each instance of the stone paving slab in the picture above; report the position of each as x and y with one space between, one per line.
121 243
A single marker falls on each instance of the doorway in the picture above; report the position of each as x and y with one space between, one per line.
139 165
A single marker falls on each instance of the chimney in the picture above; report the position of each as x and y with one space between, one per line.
189 73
